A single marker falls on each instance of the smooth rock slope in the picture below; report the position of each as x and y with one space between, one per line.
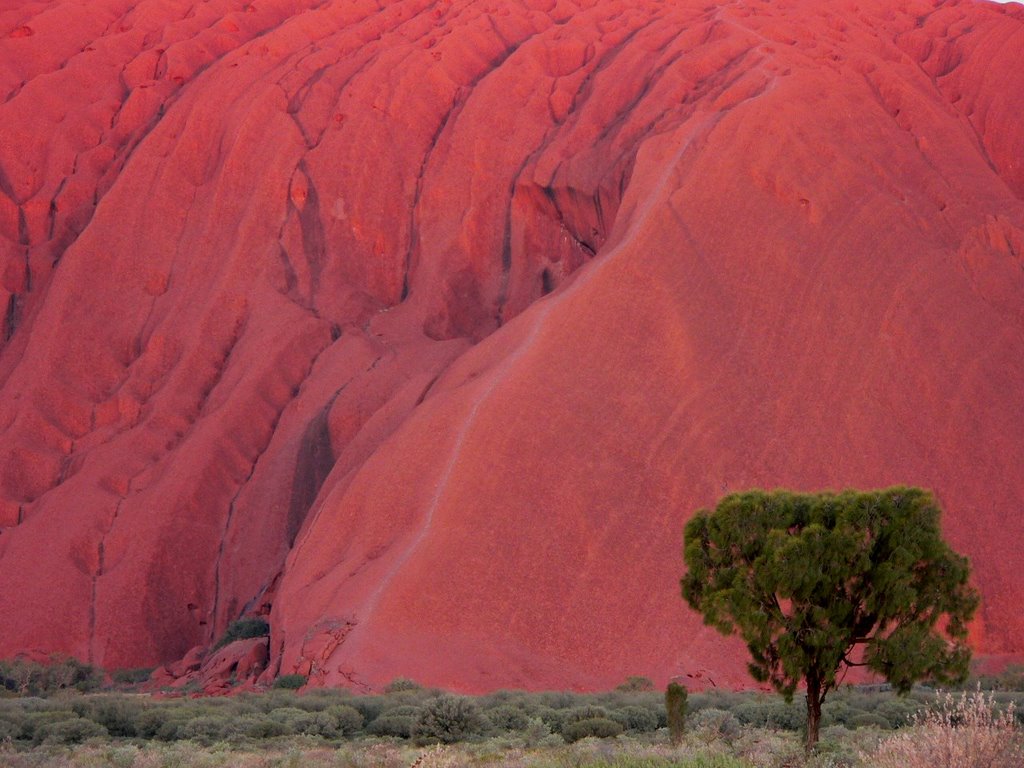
422 327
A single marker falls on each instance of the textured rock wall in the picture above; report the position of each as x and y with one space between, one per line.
427 324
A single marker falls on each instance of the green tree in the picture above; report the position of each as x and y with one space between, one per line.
817 583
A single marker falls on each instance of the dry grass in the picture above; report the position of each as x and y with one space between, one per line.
588 753
961 732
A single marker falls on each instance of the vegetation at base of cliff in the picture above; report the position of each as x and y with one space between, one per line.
243 629
283 730
624 728
31 678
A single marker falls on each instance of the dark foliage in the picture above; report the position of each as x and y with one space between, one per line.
244 629
805 579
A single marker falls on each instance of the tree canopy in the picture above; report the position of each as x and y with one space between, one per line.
817 583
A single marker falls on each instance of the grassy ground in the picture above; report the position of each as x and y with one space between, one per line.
335 729
755 748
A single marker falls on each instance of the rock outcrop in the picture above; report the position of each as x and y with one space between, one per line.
426 325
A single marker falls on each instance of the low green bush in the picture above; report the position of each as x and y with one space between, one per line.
535 732
9 730
636 719
259 727
172 729
348 721
400 684
636 683
898 711
717 723
771 713
556 699
205 729
290 682
392 725
552 718
119 715
131 676
597 727
507 717
73 731
33 727
370 707
243 629
448 719
585 712
869 720
151 720
318 724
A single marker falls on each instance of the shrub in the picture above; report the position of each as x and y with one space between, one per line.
289 715
675 709
400 684
448 719
508 717
771 713
34 726
370 707
838 712
963 732
718 723
290 682
204 729
556 699
898 712
9 731
259 727
869 720
150 720
270 700
70 731
636 719
172 730
117 714
131 676
392 725
535 732
1011 678
34 679
552 718
243 629
347 720
636 683
68 672
599 727
585 712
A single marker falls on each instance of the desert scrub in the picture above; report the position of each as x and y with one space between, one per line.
591 727
716 724
448 719
959 732
61 673
243 629
290 682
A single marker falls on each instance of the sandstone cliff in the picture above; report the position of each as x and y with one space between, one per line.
425 325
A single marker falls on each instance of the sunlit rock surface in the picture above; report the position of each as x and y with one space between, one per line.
424 326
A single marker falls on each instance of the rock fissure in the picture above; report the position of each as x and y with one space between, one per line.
216 619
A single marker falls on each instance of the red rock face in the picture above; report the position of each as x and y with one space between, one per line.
425 326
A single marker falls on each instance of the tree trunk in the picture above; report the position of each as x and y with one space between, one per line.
813 712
